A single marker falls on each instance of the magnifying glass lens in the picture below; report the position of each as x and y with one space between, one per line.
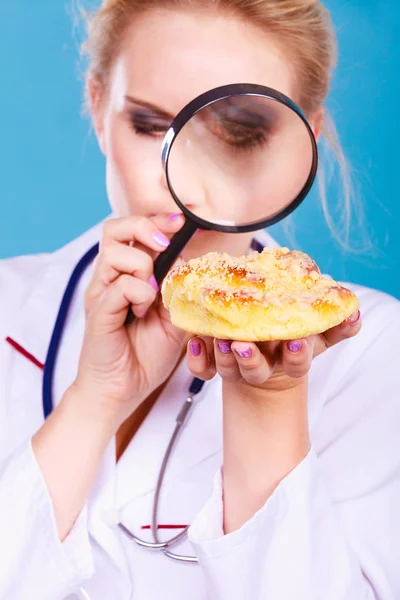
240 160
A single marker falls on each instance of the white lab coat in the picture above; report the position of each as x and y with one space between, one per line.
331 530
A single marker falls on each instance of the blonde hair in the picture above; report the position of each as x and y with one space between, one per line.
303 27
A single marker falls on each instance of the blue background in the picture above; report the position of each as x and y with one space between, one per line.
52 185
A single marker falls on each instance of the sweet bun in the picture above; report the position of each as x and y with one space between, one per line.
277 294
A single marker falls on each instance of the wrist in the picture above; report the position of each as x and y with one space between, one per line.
279 385
265 437
278 393
69 448
91 410
266 432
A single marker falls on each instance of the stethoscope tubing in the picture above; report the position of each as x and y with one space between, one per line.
48 405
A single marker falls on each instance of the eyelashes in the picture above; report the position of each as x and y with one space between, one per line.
236 135
148 125
242 138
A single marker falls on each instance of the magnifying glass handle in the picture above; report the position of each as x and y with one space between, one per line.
166 259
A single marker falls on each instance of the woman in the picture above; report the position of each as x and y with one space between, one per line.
306 503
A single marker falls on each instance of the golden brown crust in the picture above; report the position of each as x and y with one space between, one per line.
277 294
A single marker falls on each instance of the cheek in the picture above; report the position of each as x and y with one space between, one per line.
131 169
122 154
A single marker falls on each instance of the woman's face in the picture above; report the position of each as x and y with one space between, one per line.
167 59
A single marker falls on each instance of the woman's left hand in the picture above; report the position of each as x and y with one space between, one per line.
265 407
265 364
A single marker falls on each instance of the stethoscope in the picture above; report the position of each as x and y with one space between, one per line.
194 389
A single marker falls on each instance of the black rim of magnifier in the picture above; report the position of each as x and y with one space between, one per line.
165 260
222 93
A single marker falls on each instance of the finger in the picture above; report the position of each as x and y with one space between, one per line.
110 311
348 329
209 343
141 229
253 366
225 360
297 357
117 258
198 360
169 223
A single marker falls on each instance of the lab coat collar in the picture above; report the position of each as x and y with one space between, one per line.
200 439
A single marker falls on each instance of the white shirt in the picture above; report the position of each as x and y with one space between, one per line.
331 530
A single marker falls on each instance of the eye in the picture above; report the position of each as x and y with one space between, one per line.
239 127
242 137
148 124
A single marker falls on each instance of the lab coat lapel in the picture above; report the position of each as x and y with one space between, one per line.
31 330
200 439
34 323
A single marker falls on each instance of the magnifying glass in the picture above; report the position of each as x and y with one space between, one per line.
238 158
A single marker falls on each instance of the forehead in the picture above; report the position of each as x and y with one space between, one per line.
170 57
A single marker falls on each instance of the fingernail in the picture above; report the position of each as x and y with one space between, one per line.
195 348
153 283
225 347
161 239
174 217
244 353
354 319
295 346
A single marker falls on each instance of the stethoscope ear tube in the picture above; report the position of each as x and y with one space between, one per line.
55 342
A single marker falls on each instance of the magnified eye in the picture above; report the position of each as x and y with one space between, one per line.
241 137
239 127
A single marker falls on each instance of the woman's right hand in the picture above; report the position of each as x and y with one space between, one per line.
121 365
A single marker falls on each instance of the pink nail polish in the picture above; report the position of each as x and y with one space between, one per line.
161 239
154 284
174 217
354 319
195 348
244 353
225 347
295 346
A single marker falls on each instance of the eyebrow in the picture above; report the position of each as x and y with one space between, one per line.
156 109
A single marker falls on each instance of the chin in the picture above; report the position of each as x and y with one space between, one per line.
201 243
